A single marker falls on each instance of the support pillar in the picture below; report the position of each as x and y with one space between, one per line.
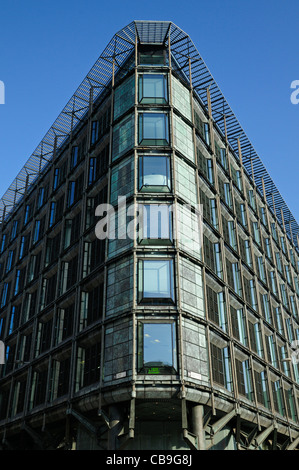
115 426
197 426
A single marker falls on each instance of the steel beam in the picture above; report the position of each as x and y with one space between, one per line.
263 435
294 444
216 427
84 421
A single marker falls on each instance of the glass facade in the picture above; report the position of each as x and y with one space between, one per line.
214 314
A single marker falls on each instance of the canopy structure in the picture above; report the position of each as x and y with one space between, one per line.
113 60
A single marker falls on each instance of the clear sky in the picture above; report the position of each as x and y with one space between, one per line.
251 48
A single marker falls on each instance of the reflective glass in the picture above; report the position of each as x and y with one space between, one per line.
156 280
154 174
153 129
158 344
156 224
159 348
152 88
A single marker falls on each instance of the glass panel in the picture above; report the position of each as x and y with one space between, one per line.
123 136
159 348
154 57
156 280
153 129
124 96
156 223
152 89
154 174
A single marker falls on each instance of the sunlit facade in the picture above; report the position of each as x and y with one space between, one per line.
174 338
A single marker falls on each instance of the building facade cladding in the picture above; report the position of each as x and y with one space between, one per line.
181 345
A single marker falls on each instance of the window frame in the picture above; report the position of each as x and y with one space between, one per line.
143 140
144 187
155 369
155 299
152 99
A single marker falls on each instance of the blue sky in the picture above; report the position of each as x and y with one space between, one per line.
250 47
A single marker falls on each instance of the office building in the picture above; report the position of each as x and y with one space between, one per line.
173 338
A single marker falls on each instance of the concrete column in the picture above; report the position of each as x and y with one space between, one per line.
116 426
197 426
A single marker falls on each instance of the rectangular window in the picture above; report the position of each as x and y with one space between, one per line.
156 281
278 397
10 260
88 368
243 215
92 170
232 234
74 156
256 232
262 388
156 224
59 175
38 388
94 131
261 268
291 406
244 378
154 174
213 213
263 216
268 248
271 348
28 213
152 57
71 193
14 230
52 213
288 275
41 198
274 231
157 352
38 230
236 278
152 88
216 308
284 295
221 366
91 306
3 243
238 325
64 323
153 129
278 320
72 230
59 379
248 253
266 307
255 337
74 191
289 328
251 198
24 245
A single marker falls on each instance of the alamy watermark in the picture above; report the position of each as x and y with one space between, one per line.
295 94
150 221
2 93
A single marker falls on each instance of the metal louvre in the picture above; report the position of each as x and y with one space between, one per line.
186 58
